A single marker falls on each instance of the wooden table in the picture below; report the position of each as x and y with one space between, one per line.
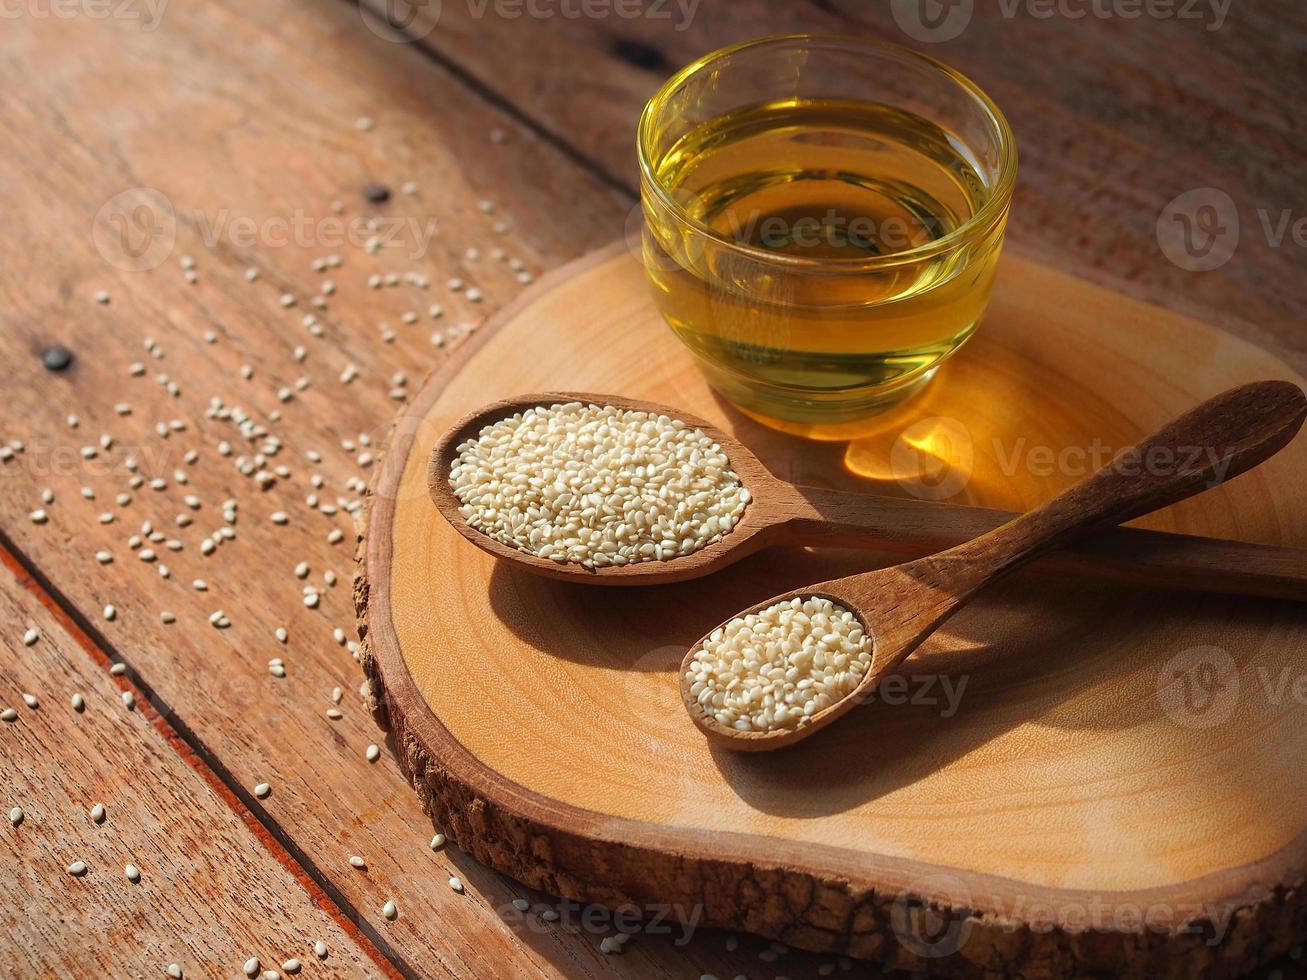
139 135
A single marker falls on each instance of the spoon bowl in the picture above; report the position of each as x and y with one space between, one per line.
761 524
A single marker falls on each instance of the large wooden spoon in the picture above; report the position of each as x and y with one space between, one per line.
899 607
782 513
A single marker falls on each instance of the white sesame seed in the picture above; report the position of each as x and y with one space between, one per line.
437 842
16 816
132 872
357 861
279 517
320 950
31 701
277 670
364 124
390 910
335 536
129 700
311 600
456 884
335 714
8 714
175 971
31 636
251 966
262 790
110 613
647 488
77 868
118 669
78 702
101 297
98 813
373 753
776 668
39 516
292 965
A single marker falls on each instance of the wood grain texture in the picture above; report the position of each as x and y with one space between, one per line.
210 894
1114 117
545 730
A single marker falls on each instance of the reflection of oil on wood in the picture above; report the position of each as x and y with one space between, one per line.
1062 750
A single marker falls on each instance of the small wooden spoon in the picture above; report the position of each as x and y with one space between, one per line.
899 607
782 513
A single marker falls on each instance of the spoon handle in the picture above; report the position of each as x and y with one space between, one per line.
913 528
1220 439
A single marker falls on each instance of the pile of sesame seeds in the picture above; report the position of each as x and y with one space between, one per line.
597 485
773 669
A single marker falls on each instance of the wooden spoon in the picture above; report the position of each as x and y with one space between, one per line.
782 513
899 607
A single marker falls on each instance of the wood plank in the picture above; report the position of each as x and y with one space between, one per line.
210 893
1114 118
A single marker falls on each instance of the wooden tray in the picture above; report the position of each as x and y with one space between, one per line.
1118 786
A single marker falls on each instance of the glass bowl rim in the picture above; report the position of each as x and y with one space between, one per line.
974 227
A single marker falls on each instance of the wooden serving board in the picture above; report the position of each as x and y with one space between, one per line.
1074 776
